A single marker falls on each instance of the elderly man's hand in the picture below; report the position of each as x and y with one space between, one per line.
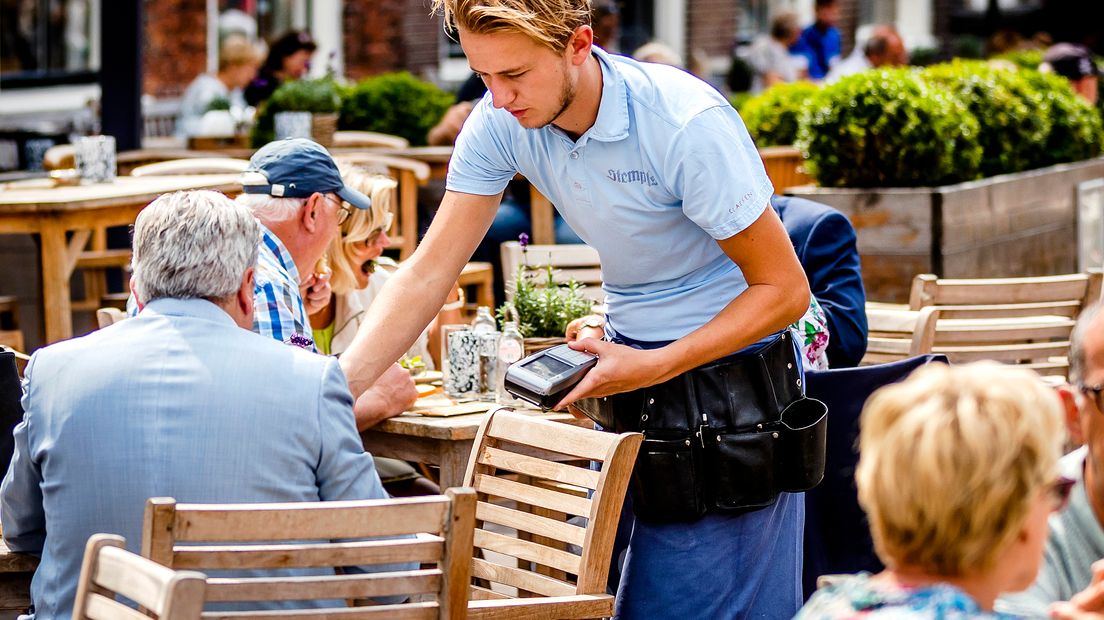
316 292
392 394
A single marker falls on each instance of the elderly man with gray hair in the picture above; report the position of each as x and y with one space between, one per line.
182 401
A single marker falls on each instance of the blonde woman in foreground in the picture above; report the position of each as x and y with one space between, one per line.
958 474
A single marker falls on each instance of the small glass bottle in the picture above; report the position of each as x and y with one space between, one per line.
483 322
511 347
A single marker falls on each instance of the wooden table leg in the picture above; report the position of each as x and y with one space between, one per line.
454 463
56 306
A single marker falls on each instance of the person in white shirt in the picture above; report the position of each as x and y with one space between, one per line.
238 62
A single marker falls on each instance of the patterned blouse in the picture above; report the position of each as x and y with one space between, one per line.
811 331
859 597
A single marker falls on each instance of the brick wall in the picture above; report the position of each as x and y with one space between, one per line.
174 48
711 26
374 36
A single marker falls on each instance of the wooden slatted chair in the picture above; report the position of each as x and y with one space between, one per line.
347 139
191 165
109 570
269 536
966 334
970 333
410 174
521 467
569 261
1062 295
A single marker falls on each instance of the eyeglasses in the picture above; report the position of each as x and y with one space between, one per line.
1059 493
343 210
1094 391
376 232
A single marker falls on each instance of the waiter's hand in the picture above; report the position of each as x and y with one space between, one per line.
619 369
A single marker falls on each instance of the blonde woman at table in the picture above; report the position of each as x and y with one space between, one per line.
360 270
958 472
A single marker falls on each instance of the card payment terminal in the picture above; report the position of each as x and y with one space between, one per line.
545 377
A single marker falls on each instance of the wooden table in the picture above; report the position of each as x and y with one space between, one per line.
16 570
541 211
65 218
444 442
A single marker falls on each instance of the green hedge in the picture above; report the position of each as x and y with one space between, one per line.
888 128
1012 132
1076 128
772 116
394 103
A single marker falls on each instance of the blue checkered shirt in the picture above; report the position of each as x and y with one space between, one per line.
278 310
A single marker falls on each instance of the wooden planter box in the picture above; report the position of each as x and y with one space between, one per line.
1022 224
785 166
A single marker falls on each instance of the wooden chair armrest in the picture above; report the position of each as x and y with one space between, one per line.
544 608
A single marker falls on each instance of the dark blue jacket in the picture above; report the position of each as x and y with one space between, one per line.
825 244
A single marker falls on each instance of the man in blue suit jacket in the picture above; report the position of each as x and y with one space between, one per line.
181 401
825 244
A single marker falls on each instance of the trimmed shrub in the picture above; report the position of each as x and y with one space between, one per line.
394 103
315 96
1012 132
1024 59
1076 129
888 128
772 116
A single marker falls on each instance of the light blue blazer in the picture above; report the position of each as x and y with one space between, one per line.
179 402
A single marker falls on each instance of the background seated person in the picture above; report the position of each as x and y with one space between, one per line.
288 59
958 471
825 244
237 65
181 401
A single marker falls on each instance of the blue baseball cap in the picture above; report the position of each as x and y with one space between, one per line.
297 168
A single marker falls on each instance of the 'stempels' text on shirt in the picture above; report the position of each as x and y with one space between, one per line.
631 176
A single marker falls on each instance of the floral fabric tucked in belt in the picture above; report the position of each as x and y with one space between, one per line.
811 332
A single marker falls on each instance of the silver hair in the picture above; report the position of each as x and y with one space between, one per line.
194 244
1077 358
271 208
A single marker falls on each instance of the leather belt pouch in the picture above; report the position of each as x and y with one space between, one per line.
727 436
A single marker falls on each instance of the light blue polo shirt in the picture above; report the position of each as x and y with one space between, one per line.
667 169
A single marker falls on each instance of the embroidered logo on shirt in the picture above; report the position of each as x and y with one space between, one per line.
632 176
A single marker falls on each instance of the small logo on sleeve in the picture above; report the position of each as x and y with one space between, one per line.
632 176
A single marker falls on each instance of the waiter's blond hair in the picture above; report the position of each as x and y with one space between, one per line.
547 22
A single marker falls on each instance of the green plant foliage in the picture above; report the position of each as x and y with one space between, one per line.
1024 59
888 128
218 103
544 311
738 100
315 96
772 116
924 56
1013 135
394 103
1077 132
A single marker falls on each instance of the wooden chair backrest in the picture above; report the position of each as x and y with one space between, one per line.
889 335
109 316
367 139
109 569
569 261
970 333
410 174
1062 295
965 334
526 472
270 536
192 165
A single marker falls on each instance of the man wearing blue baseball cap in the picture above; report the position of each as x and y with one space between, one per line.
296 193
